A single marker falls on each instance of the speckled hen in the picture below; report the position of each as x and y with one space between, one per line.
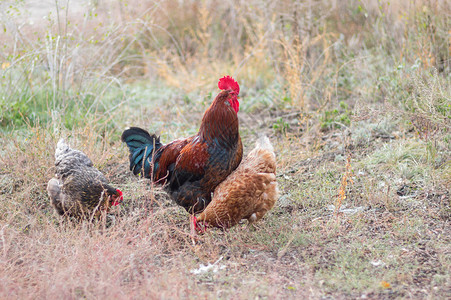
78 188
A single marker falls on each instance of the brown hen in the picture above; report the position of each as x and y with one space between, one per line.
247 193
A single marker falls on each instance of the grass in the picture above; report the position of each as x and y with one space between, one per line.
326 81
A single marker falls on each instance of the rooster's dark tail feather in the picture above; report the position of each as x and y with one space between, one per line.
141 145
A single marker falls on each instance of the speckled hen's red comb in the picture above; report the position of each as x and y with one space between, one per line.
228 83
119 198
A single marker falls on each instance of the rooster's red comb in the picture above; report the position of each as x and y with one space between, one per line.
228 83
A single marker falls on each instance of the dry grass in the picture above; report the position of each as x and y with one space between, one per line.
355 98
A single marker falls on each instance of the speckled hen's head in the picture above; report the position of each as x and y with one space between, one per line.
117 198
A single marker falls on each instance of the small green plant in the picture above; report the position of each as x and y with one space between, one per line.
280 126
336 118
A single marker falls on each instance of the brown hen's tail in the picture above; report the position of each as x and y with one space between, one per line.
264 143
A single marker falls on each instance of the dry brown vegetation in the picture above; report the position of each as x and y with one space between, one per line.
354 96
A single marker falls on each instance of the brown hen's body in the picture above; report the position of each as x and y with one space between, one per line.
247 193
79 189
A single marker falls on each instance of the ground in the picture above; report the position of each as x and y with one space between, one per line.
357 108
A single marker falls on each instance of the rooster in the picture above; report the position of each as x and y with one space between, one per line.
79 189
191 168
248 193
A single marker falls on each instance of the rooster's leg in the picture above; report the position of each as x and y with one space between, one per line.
193 225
